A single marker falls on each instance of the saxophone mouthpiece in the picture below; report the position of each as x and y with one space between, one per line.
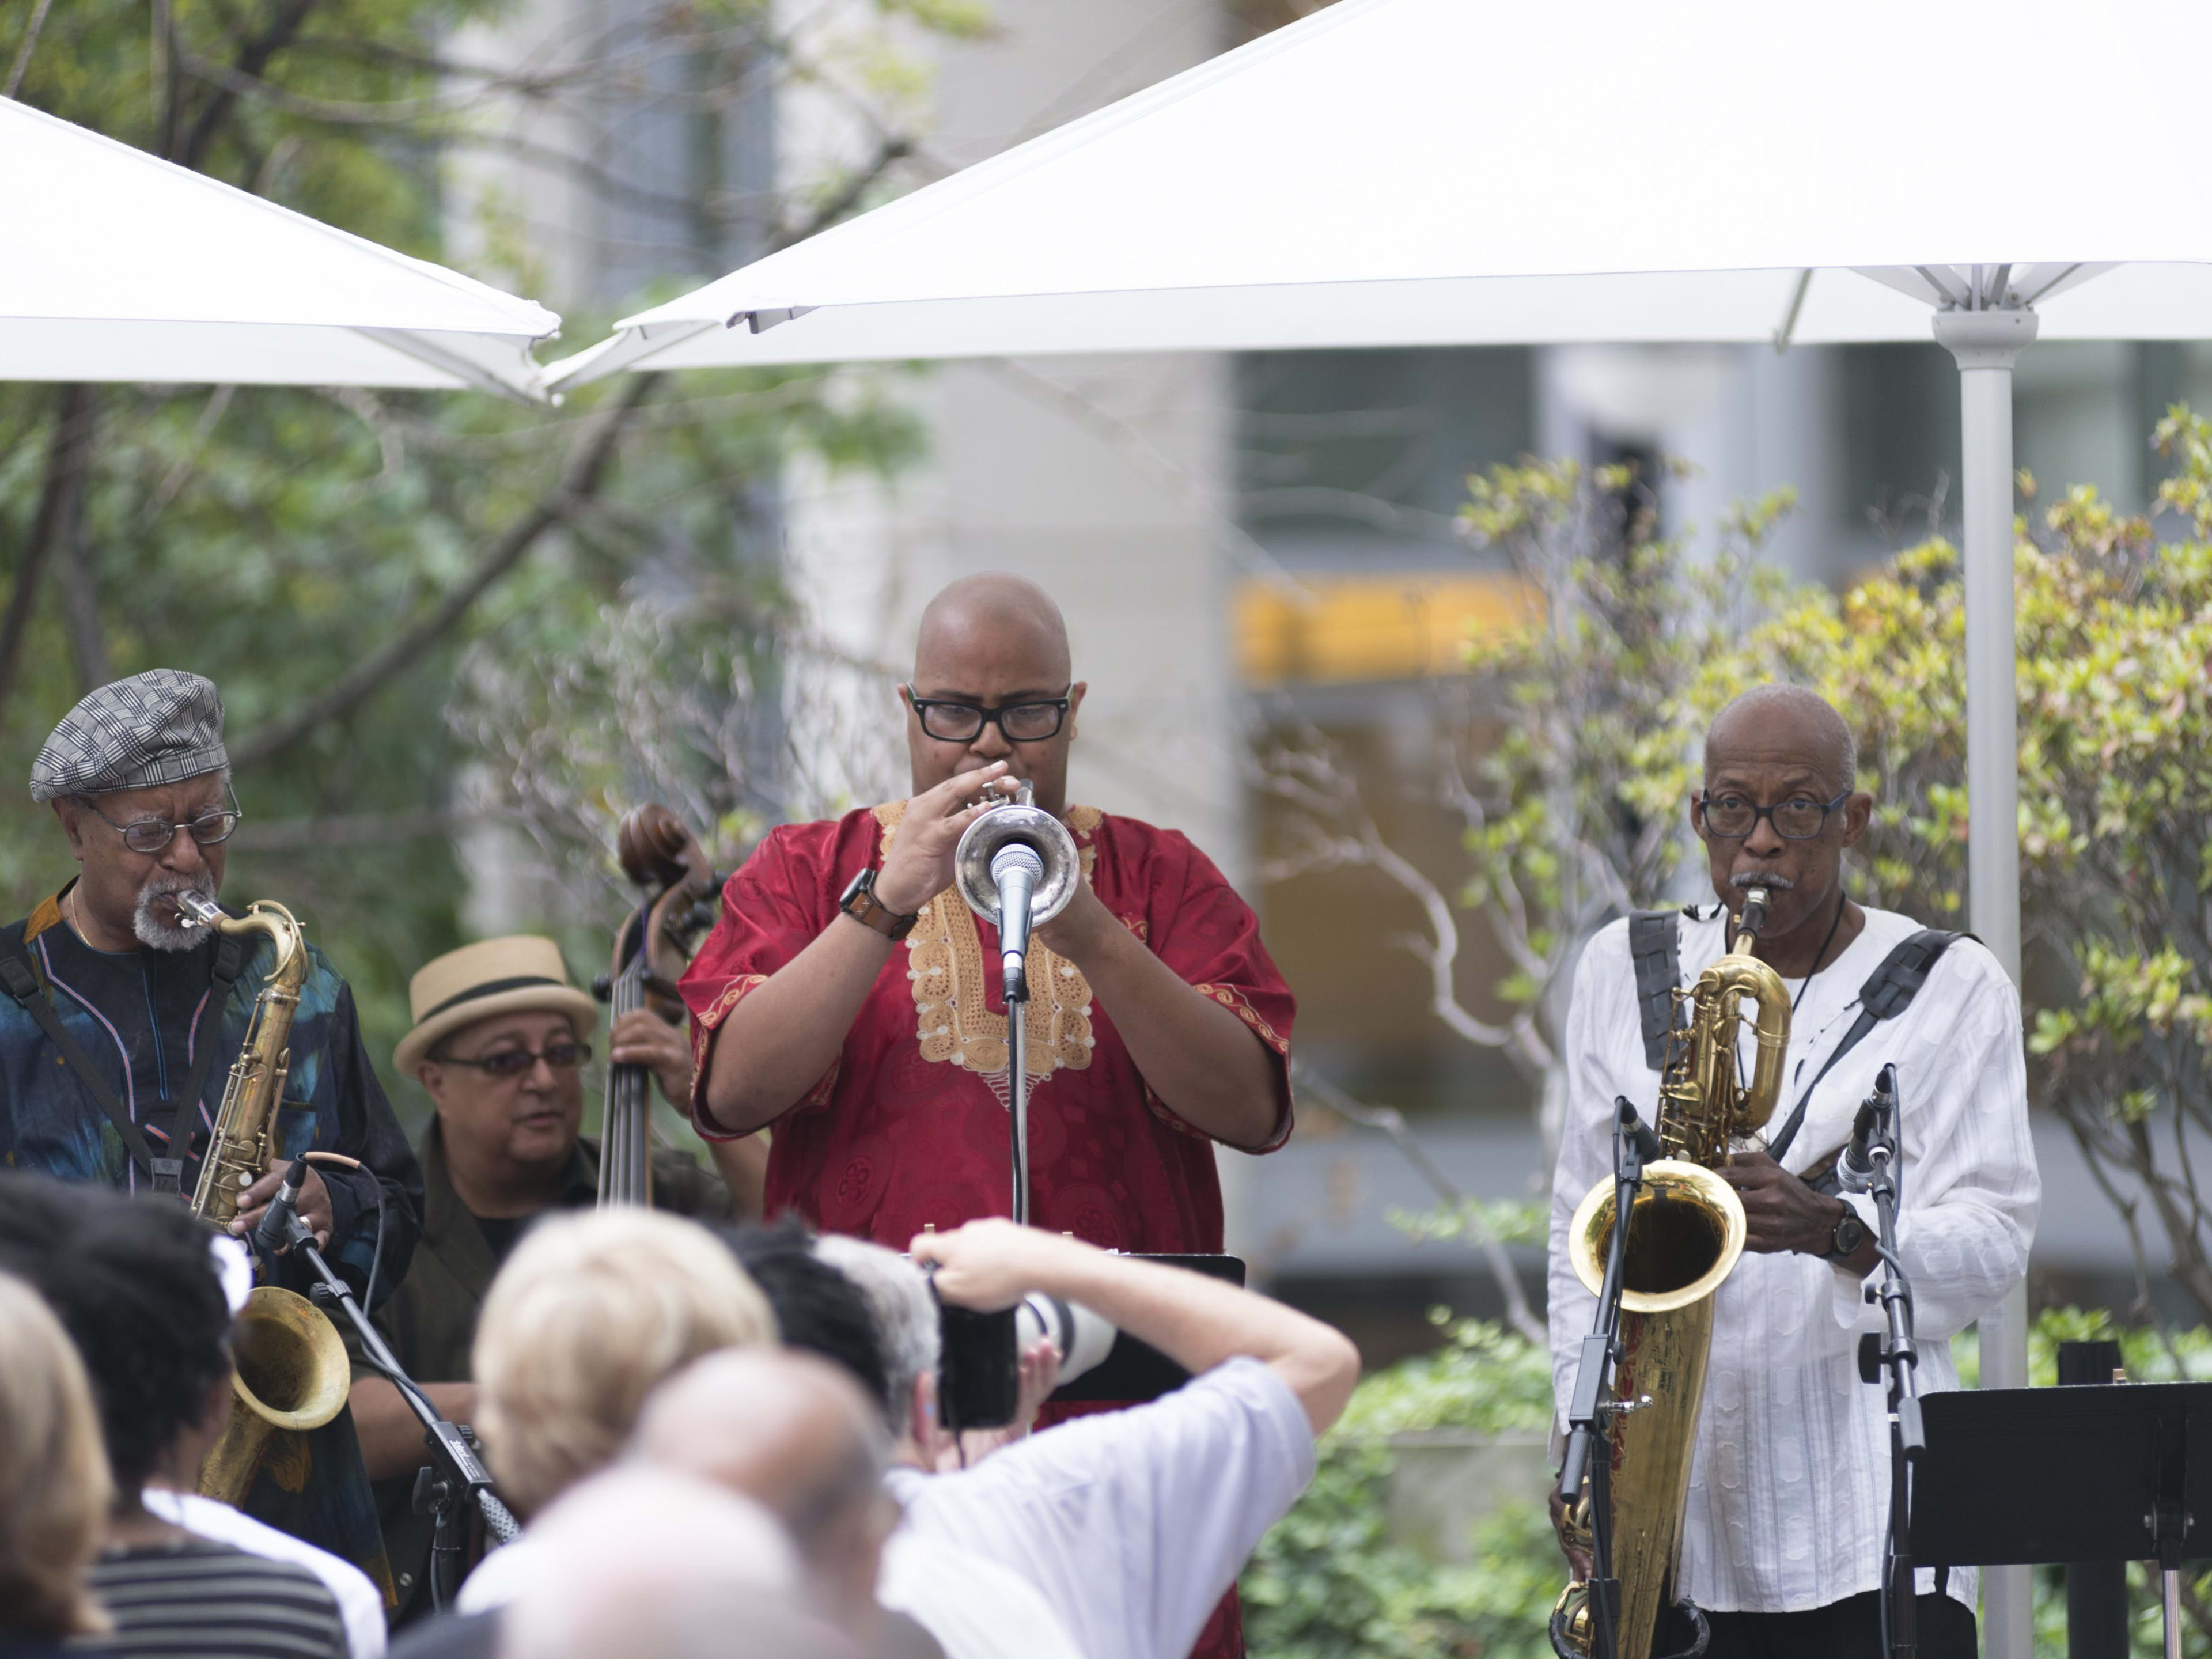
197 909
1754 912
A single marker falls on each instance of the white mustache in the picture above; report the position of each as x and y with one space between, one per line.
1772 883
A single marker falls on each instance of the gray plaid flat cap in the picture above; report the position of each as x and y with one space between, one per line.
161 726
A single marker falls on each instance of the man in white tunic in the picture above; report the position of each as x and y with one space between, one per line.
1789 1482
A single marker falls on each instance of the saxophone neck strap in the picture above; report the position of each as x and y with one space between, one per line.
1655 948
1887 993
18 976
229 963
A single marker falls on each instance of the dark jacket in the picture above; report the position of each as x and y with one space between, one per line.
431 1319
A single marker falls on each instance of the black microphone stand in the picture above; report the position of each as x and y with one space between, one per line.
456 1474
1633 1145
1900 1357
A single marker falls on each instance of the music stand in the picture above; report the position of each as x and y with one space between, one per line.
2049 1476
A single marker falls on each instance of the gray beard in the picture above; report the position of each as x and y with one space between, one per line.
147 926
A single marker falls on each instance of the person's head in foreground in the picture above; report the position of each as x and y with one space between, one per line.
907 1332
137 1288
818 1310
1780 803
639 1561
794 1433
992 683
137 774
588 1317
53 1475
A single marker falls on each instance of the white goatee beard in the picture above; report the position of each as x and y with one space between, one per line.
147 924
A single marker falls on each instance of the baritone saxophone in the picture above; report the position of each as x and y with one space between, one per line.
1686 1231
292 1372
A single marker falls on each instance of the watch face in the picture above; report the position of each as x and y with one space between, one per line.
1848 1233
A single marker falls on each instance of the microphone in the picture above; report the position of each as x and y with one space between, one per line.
1855 1170
1639 1134
276 1220
1016 870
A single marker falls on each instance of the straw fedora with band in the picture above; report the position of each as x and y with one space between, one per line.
494 977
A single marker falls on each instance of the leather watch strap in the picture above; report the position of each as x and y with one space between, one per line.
860 903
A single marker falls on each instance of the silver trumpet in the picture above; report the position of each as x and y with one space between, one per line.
1016 866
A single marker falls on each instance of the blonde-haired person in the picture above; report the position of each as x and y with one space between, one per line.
54 1486
590 1315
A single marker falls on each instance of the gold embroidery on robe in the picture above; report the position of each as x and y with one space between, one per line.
944 962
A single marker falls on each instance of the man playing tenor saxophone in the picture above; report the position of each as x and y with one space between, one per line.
121 1020
1782 1537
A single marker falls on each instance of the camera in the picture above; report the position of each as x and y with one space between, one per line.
979 1379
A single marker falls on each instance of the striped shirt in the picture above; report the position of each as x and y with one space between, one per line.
199 1598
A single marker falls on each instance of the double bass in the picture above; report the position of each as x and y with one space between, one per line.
652 949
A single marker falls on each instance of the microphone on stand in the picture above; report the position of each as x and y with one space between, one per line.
1640 1134
274 1232
1016 873
1855 1170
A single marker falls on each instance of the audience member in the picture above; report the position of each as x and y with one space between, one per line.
643 1562
591 1313
1130 1524
53 1482
795 1434
135 1285
817 1309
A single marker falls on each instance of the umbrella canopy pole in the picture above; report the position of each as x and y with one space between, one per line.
1985 344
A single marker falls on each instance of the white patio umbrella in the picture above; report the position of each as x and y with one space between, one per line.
1460 172
118 265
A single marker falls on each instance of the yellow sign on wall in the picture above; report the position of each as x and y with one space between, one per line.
1403 625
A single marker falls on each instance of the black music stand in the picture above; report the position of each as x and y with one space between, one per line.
2050 1476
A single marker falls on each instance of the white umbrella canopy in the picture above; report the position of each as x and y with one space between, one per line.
1441 172
118 265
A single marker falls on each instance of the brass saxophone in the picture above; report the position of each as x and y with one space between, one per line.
1686 1231
292 1371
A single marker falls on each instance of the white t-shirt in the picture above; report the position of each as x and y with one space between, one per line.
359 1605
975 1608
1131 1524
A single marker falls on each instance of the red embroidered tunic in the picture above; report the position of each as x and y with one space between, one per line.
909 1125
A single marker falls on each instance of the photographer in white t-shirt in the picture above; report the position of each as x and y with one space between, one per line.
1131 1524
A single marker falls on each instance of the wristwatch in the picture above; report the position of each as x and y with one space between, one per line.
860 902
1849 1234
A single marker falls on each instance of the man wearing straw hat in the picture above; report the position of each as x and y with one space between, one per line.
499 1043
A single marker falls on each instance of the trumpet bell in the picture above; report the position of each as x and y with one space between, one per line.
1016 825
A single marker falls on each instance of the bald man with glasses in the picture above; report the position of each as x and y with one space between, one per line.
844 996
1782 1539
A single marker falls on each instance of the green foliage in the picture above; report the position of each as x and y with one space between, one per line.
1631 649
1330 1583
272 537
1573 806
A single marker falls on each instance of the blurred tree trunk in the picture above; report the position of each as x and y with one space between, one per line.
61 495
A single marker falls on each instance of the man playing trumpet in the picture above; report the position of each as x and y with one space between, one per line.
849 997
1781 1539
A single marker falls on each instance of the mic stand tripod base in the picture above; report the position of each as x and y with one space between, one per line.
456 1474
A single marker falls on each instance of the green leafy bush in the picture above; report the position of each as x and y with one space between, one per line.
1329 1582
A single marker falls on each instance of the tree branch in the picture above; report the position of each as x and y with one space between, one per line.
579 481
1392 1122
253 58
67 453
16 71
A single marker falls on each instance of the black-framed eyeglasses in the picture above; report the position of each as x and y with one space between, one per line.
509 1063
153 836
951 721
1731 817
